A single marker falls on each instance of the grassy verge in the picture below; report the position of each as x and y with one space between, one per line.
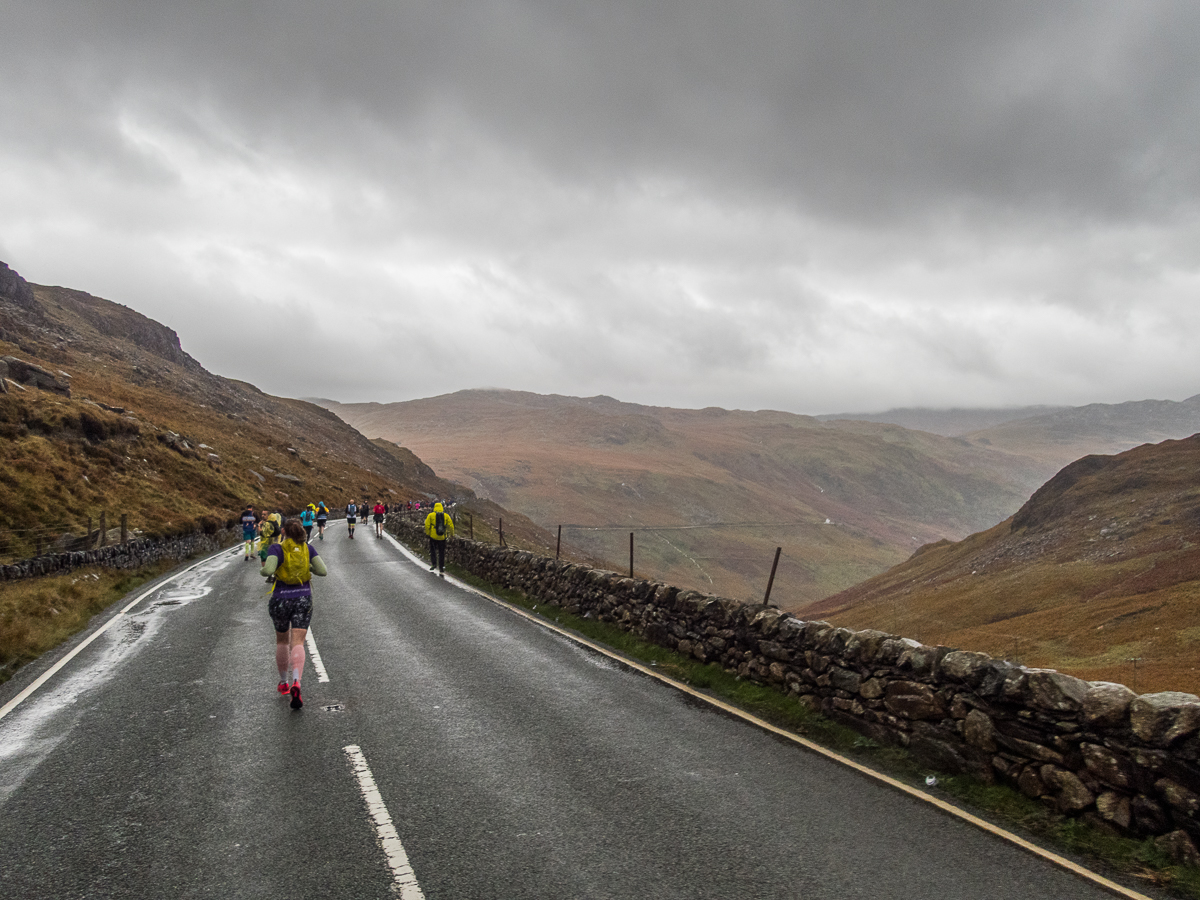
996 802
38 614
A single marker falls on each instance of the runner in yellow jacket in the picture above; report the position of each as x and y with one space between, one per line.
438 526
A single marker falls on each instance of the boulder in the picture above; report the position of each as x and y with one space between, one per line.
35 376
1149 817
1055 692
1180 847
964 665
1178 796
1160 719
919 659
1072 793
1029 783
1106 766
772 650
872 688
845 680
979 732
864 645
912 700
1106 704
1114 807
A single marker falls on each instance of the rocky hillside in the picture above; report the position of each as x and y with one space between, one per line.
102 411
1098 574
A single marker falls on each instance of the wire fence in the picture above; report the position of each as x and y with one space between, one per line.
1144 662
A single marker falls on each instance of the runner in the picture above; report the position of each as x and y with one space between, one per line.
290 565
322 517
438 526
307 517
351 518
265 530
379 513
248 530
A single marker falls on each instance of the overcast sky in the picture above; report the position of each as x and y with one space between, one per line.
811 206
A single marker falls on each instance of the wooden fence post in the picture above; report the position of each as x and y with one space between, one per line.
631 554
87 541
771 580
558 546
501 532
124 527
103 529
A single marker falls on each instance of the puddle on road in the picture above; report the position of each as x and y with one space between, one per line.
31 731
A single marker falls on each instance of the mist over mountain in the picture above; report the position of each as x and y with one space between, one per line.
947 422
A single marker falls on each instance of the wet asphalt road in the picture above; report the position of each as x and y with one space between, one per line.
514 764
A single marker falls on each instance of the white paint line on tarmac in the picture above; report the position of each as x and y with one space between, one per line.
49 673
948 808
315 655
397 859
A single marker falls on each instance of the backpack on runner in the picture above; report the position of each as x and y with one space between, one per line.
294 569
439 524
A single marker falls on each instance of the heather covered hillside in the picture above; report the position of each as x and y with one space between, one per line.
102 411
711 493
1098 574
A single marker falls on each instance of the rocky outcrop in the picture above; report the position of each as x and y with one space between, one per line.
15 288
35 376
1089 749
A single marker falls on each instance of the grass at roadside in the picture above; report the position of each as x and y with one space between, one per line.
995 802
38 614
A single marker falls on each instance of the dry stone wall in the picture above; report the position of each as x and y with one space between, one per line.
129 555
1096 750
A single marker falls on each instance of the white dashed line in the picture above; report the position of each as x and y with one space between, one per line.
315 655
405 879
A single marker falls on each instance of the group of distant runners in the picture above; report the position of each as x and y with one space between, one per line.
289 560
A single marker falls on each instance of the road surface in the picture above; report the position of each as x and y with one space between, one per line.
456 750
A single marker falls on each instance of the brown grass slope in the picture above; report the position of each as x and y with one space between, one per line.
738 483
1101 567
135 434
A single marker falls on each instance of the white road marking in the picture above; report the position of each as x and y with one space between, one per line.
315 655
397 859
49 673
948 808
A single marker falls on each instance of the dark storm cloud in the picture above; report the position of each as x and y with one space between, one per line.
805 205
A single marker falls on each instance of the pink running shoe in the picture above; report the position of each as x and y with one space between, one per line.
296 701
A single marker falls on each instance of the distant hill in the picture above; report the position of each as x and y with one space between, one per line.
125 421
1098 574
946 422
1056 438
710 493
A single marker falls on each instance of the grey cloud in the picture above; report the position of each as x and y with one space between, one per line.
853 108
806 205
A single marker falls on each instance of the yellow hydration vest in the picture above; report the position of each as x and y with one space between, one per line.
295 566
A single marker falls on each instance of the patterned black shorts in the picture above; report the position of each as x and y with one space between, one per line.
290 613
